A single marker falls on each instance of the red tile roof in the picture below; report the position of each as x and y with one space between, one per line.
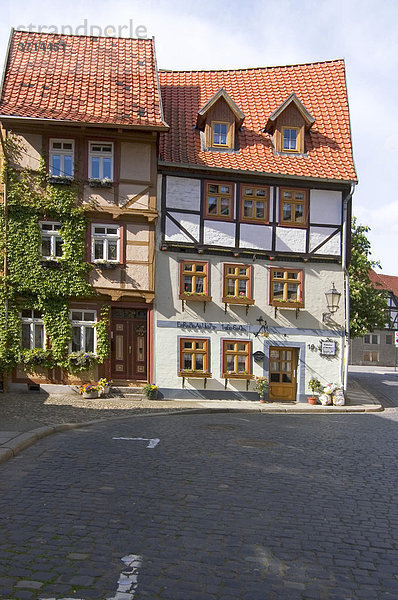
385 282
82 79
321 87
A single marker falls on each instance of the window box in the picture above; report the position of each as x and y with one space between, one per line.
100 183
106 265
195 297
238 300
193 374
51 263
237 376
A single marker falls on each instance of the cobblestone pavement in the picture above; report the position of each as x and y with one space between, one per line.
382 382
223 507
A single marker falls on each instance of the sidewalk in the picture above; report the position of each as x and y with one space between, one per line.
26 418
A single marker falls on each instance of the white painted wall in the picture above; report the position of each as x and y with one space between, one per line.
290 239
219 233
189 222
325 207
255 236
183 192
319 234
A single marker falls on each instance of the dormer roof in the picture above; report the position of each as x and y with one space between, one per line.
222 93
292 99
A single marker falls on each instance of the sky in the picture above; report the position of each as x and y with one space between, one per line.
235 34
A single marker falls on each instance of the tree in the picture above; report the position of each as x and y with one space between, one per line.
368 305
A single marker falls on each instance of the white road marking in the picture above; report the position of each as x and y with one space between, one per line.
127 582
153 442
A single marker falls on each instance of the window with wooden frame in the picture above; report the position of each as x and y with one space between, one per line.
236 359
100 161
286 288
105 243
83 330
371 356
254 204
61 162
371 338
219 200
194 280
291 139
194 357
237 284
221 134
51 240
293 207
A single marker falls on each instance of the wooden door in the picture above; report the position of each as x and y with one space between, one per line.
129 345
282 373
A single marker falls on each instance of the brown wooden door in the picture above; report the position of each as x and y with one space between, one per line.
282 373
128 349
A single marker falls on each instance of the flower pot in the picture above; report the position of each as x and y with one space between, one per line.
312 400
105 390
90 395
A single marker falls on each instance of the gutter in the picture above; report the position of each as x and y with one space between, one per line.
85 123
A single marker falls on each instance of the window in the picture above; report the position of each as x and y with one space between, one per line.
236 358
254 204
100 160
51 240
83 330
194 356
194 279
61 158
290 139
32 329
237 284
293 207
389 339
105 243
221 134
370 338
371 356
286 287
219 201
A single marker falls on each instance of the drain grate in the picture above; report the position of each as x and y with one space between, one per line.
257 443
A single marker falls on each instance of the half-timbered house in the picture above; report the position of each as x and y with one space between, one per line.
255 183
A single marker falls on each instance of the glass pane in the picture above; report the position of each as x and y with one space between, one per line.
230 363
76 344
200 285
286 378
98 249
292 275
225 189
76 315
260 210
231 287
39 336
37 314
57 145
200 268
212 205
277 291
225 206
299 213
26 313
56 165
287 195
58 246
112 250
299 196
231 270
242 271
67 146
200 345
89 339
230 346
46 246
187 283
242 348
248 208
89 316
274 354
275 378
278 275
286 355
242 288
199 362
188 345
287 212
275 366
99 229
292 291
111 230
260 193
46 226
95 167
287 366
68 166
188 361
241 364
213 189
248 191
25 335
107 162
188 267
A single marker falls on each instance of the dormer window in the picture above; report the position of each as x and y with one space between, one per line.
220 134
290 138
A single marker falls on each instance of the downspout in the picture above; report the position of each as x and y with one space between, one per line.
5 268
346 354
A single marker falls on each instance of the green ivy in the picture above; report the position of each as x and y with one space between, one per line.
34 283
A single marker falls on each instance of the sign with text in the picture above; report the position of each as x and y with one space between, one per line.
328 348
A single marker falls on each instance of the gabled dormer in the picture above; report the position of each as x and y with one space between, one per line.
219 120
288 124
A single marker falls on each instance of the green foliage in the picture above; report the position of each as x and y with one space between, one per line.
368 305
44 285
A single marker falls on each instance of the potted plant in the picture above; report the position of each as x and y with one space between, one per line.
81 361
88 390
315 387
261 387
151 391
104 386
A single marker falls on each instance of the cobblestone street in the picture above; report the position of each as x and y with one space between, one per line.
222 507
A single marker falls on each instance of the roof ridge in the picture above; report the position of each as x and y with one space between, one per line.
74 35
319 62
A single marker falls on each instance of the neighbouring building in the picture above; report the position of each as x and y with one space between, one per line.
256 177
90 108
378 347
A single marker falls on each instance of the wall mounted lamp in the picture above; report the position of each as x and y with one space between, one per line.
333 301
